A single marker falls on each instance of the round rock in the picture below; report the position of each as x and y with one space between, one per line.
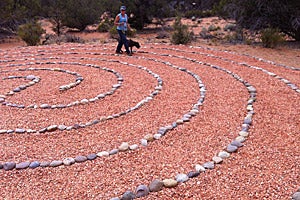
230 148
34 165
156 185
68 161
22 165
193 174
209 165
296 196
142 191
55 163
9 166
124 146
181 178
92 156
80 159
128 195
170 183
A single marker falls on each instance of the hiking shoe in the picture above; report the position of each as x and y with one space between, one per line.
129 54
119 52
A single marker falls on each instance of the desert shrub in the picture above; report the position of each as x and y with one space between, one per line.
181 34
162 35
271 37
55 39
213 28
198 13
105 26
73 39
235 37
229 27
31 33
205 34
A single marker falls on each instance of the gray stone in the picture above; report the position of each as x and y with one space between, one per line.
128 195
133 147
17 89
45 106
236 143
9 166
62 127
114 151
55 163
156 185
217 159
209 165
181 178
296 196
144 142
92 156
34 165
23 165
230 148
68 161
80 159
142 191
20 130
115 198
45 164
224 154
30 77
193 174
199 168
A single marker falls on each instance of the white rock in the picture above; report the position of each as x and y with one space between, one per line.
199 168
102 153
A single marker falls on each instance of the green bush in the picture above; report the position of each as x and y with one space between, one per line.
271 37
229 27
181 33
31 33
198 13
105 26
204 34
213 28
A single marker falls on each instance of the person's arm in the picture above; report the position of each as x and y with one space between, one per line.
117 23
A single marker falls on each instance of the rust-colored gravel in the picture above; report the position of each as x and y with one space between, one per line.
266 167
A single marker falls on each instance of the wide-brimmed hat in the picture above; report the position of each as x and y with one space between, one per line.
123 8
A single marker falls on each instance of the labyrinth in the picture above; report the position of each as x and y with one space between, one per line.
169 122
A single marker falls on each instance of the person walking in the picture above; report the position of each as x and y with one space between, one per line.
121 21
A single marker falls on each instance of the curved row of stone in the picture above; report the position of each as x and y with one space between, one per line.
125 146
157 184
250 56
78 80
63 127
284 80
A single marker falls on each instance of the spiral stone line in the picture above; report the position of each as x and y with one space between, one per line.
156 185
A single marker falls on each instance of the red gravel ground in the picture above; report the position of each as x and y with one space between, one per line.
266 167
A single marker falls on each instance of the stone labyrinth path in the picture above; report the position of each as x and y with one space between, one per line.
170 122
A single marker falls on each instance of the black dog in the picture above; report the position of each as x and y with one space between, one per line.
131 44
